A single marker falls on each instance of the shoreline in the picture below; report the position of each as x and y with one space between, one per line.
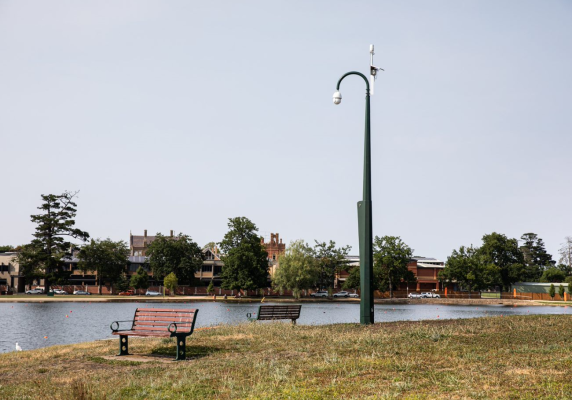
195 299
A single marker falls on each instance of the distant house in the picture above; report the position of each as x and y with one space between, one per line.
138 244
427 272
425 269
10 278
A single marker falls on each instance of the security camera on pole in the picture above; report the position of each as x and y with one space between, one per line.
364 206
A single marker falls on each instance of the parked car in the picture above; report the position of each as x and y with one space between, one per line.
319 293
414 296
343 293
35 291
152 293
429 295
81 292
59 291
354 295
129 292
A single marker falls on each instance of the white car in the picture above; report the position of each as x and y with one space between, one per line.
153 293
59 291
429 295
354 295
415 295
320 293
35 291
342 294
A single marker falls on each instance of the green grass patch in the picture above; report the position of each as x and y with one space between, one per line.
494 357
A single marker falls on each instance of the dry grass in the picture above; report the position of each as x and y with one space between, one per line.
504 357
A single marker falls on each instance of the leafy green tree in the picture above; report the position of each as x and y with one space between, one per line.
570 289
245 258
108 259
122 283
43 257
4 249
210 287
463 267
140 279
552 291
391 255
297 269
561 292
565 268
178 255
31 261
171 282
553 275
500 251
353 281
330 260
209 245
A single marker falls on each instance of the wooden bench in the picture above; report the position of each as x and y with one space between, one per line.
276 312
157 322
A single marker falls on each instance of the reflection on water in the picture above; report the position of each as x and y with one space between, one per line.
35 325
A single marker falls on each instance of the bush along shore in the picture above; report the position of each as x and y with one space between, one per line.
526 357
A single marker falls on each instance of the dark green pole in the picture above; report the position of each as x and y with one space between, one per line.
365 219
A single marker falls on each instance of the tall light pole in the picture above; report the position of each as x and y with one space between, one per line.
364 206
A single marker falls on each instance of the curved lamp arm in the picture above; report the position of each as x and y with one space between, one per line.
353 73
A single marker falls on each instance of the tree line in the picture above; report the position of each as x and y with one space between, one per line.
499 262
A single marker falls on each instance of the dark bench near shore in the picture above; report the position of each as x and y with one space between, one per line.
157 322
276 312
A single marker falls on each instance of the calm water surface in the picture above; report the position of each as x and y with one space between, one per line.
66 323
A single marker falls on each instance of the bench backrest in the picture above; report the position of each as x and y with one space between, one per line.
159 319
279 312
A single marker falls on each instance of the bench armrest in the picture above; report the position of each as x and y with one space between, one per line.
116 329
171 325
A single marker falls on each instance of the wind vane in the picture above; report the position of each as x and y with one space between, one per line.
372 70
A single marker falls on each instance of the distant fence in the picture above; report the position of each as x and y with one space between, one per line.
269 292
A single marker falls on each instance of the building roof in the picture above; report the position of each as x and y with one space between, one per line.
423 265
137 240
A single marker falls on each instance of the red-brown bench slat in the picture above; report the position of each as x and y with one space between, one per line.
157 322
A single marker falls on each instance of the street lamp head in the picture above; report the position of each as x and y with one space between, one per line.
337 97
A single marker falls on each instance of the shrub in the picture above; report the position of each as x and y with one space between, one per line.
171 282
552 291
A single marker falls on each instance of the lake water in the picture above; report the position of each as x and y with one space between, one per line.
66 323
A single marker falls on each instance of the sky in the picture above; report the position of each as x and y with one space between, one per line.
183 114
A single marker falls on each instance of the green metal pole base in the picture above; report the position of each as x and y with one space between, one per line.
181 348
123 345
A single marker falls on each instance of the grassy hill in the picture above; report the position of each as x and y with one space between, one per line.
496 357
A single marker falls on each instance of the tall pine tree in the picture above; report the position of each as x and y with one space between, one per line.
55 225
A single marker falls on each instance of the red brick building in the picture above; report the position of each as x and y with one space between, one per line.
427 272
274 248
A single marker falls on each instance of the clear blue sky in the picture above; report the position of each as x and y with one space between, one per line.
179 115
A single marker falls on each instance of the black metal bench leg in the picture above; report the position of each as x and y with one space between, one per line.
123 345
181 348
293 322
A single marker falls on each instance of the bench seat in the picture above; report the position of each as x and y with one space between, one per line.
157 322
271 312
